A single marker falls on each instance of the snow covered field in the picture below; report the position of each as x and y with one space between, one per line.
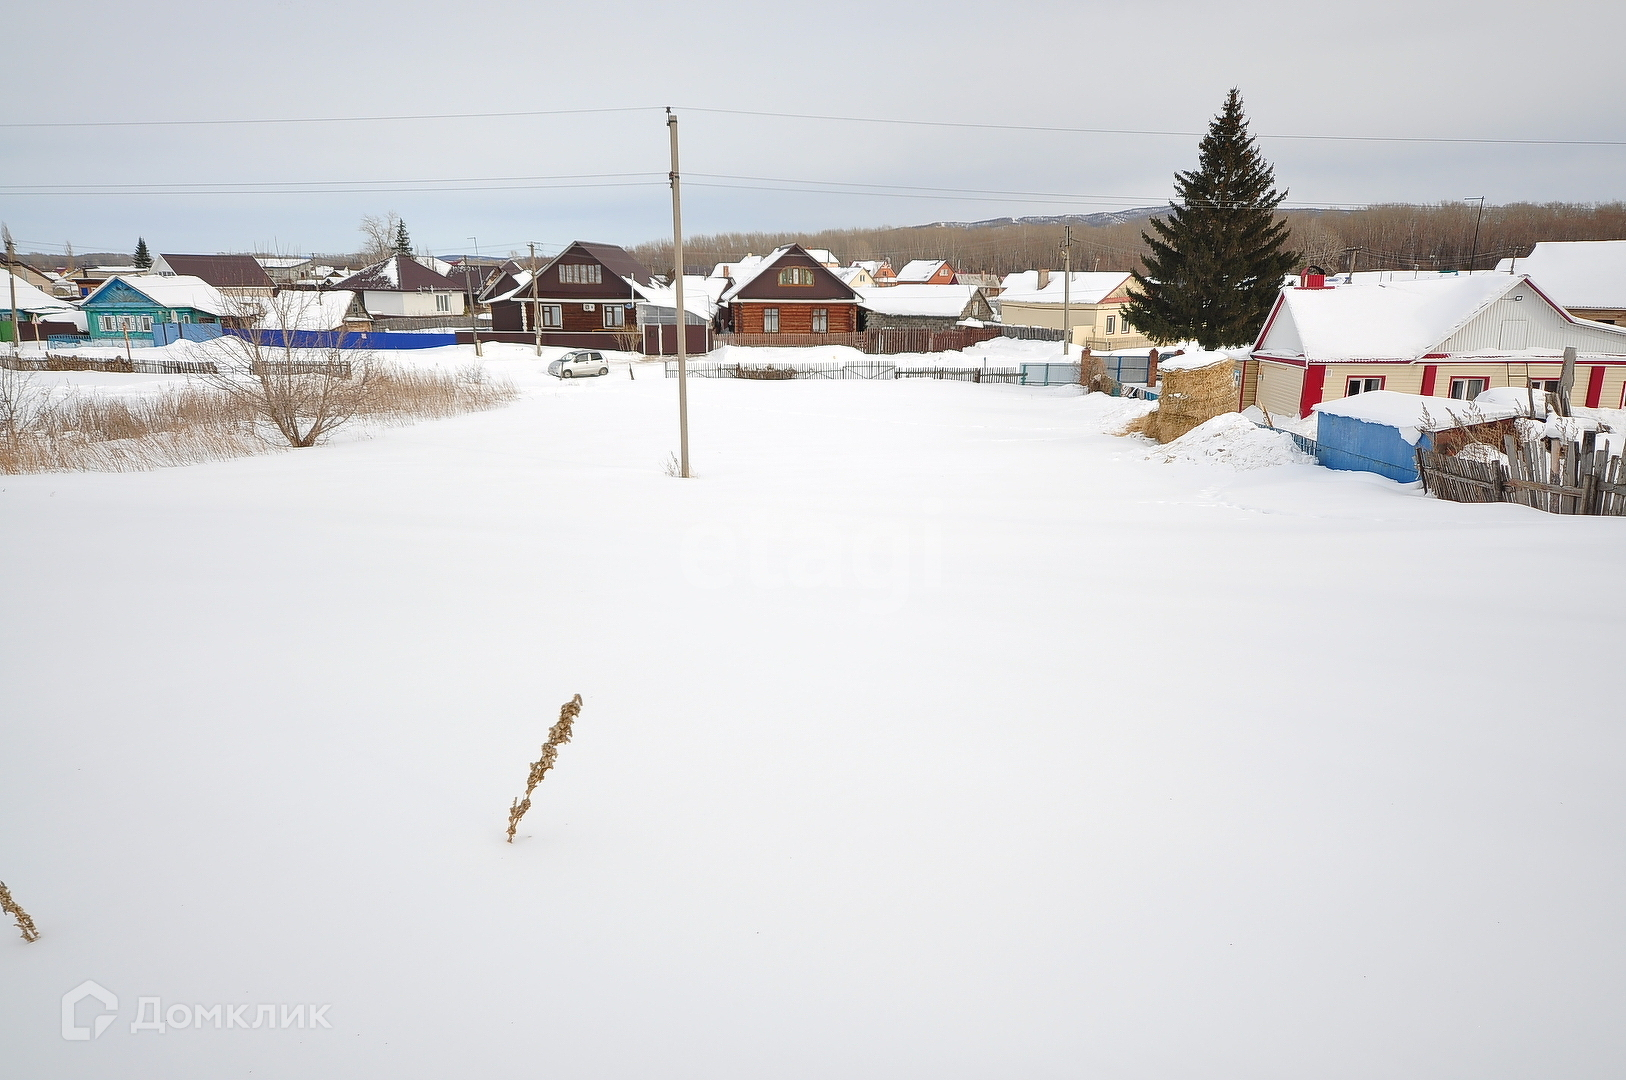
930 731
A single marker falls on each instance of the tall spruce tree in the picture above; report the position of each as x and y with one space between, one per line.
1218 260
403 243
143 257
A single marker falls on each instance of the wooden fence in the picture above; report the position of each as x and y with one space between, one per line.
1551 475
884 341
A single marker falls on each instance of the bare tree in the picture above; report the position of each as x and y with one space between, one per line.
379 234
287 368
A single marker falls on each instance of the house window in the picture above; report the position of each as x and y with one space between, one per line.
614 316
553 316
796 275
1549 386
581 274
109 323
443 302
1468 389
1363 386
821 320
770 320
1112 322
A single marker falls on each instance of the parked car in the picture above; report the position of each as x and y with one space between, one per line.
579 362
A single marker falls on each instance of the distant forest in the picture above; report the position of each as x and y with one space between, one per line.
1400 236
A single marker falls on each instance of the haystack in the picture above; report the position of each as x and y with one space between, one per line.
1197 386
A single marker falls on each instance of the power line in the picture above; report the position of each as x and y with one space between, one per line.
827 118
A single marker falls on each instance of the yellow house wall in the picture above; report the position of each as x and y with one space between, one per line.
1408 378
1280 386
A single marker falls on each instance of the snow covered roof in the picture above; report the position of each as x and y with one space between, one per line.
1577 273
699 295
29 297
399 273
173 291
305 310
919 271
1089 287
1401 320
1197 358
1413 413
944 301
745 264
823 256
851 274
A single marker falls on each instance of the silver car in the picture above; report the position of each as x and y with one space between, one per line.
579 362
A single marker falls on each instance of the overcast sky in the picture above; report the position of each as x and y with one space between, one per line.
1429 71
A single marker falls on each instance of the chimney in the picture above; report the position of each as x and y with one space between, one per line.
1044 279
1313 278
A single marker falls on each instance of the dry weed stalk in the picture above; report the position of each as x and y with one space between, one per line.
558 735
25 922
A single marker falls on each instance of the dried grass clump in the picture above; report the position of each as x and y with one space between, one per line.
1189 397
770 372
558 735
44 430
25 922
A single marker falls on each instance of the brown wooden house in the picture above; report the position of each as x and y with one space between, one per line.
789 292
586 289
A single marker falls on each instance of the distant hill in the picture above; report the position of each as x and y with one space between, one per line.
1111 217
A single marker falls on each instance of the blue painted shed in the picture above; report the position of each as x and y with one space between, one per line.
1380 431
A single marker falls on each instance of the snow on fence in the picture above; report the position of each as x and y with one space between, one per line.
857 369
1553 475
883 341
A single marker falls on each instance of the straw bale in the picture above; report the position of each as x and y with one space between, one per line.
1191 396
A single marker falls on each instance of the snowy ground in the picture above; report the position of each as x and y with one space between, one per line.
930 731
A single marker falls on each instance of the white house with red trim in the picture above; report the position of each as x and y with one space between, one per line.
1450 337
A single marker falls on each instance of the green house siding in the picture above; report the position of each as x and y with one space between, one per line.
120 300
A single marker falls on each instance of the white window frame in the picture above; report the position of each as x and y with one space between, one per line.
1463 381
581 274
1358 384
443 302
821 320
1112 321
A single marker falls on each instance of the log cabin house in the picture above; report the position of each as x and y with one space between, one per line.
788 292
586 289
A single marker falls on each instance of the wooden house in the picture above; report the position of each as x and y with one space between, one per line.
1092 306
1587 278
402 286
132 305
38 313
926 272
932 307
879 270
232 275
586 289
1449 337
789 292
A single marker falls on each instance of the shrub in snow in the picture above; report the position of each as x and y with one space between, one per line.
558 735
25 922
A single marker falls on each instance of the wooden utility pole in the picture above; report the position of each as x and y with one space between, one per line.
1566 382
1473 254
536 310
474 301
11 275
1067 293
677 274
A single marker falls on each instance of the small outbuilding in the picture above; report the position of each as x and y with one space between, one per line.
1381 431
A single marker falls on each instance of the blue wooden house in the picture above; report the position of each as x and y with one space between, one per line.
134 304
